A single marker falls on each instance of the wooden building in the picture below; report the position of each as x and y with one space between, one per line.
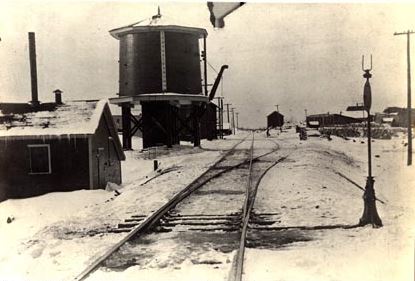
326 120
400 116
275 119
69 147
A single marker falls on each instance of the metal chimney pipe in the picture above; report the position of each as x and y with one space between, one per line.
33 68
58 96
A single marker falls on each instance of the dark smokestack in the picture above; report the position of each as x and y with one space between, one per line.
58 96
33 69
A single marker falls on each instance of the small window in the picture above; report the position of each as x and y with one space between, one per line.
39 157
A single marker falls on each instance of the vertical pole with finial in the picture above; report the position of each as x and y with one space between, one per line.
370 213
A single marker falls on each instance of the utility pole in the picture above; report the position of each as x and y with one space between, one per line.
220 116
305 111
237 120
233 120
227 110
409 107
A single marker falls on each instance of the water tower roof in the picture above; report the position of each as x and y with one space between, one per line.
157 22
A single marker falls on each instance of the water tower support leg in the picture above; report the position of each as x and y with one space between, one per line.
169 126
183 125
126 127
196 127
176 130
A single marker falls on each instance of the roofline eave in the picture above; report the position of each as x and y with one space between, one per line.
118 32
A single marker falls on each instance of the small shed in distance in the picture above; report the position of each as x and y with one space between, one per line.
72 146
275 119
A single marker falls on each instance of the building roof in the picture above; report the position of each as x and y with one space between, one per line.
71 118
275 113
321 115
392 109
397 110
329 115
387 119
19 108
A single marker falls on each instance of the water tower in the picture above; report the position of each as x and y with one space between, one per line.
160 68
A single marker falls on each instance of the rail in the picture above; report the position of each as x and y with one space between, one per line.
153 218
237 269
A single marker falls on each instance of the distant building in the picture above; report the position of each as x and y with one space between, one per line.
66 147
275 119
326 119
391 119
400 116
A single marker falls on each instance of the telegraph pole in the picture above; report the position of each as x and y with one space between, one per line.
237 120
227 110
233 120
220 117
305 111
409 107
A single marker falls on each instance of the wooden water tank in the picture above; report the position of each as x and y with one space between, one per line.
159 57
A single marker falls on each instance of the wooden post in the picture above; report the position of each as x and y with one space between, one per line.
169 126
196 126
227 110
205 65
409 106
126 127
409 101
233 120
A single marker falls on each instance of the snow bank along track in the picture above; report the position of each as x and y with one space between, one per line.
213 215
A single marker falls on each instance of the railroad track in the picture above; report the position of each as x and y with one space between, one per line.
257 172
198 213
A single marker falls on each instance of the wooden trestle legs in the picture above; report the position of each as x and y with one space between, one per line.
161 123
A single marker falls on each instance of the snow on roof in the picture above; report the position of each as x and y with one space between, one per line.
387 119
355 114
71 118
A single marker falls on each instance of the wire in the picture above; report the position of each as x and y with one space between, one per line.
212 67
222 82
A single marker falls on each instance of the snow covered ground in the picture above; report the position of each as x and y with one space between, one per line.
54 236
307 191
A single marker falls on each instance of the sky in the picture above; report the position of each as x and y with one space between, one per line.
299 56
